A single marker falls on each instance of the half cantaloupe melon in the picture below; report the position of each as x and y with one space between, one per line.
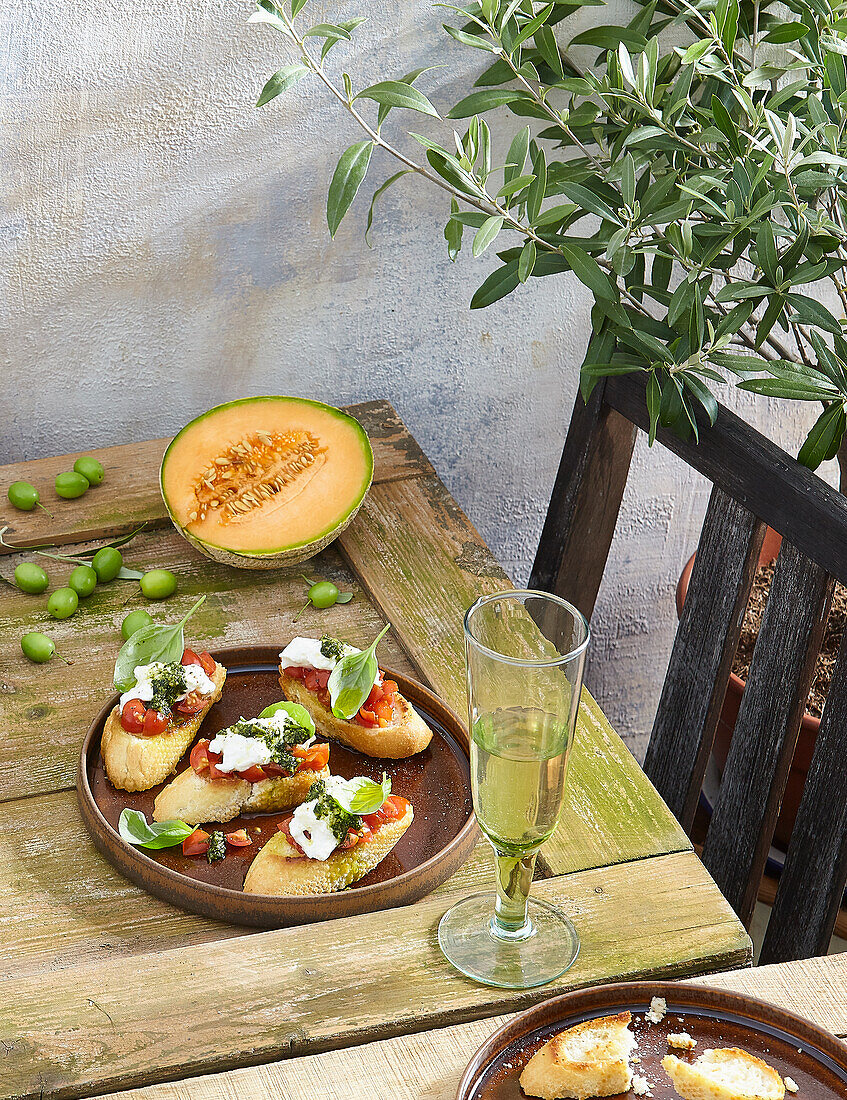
266 481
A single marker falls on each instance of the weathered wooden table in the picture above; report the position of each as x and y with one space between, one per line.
105 988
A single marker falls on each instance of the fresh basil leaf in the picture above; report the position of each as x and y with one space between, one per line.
156 642
344 597
361 795
351 680
134 829
296 713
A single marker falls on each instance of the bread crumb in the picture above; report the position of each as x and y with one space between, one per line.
791 1085
635 1058
657 1010
681 1040
640 1085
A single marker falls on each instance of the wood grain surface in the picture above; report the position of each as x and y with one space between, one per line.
130 493
767 727
428 1065
585 502
310 988
106 987
702 655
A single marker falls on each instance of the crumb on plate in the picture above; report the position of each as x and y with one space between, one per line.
640 1085
681 1040
657 1010
791 1085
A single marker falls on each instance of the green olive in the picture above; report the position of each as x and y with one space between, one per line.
37 647
62 603
22 495
134 621
158 584
71 484
31 578
83 580
107 563
323 594
90 469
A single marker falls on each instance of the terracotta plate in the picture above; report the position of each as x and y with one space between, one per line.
796 1048
436 782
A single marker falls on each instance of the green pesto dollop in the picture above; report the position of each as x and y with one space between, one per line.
168 684
332 647
217 847
339 820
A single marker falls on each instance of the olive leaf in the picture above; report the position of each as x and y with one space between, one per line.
352 679
156 642
346 181
133 828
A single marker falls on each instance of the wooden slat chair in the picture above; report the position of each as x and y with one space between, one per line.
755 484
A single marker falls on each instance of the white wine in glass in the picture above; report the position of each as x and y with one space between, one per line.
525 658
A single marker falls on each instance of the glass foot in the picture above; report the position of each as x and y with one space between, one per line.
465 936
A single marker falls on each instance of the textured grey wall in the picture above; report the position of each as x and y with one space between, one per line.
163 247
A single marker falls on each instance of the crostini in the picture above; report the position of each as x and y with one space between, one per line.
590 1059
256 764
726 1074
325 845
379 723
157 719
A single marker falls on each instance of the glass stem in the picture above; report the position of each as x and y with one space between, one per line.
514 881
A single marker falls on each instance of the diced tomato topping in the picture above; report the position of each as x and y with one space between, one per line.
273 771
392 809
132 716
238 839
389 688
192 704
197 844
189 657
284 826
296 672
367 718
311 759
214 771
208 662
199 758
154 722
253 775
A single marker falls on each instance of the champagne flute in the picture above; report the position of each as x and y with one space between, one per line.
525 655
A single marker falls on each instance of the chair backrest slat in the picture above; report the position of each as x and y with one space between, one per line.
590 483
766 730
701 659
802 920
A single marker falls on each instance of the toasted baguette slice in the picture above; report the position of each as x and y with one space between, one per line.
727 1074
195 799
280 869
139 763
408 736
590 1059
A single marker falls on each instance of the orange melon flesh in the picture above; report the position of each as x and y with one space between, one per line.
266 480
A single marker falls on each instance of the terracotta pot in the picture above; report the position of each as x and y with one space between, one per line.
732 701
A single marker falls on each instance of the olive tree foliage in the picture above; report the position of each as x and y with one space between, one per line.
697 190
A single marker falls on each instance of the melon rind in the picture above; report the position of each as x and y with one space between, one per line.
291 555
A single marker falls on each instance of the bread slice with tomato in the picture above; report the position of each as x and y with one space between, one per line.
139 753
384 726
282 867
205 792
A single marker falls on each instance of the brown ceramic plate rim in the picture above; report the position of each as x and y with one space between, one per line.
314 907
582 1003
